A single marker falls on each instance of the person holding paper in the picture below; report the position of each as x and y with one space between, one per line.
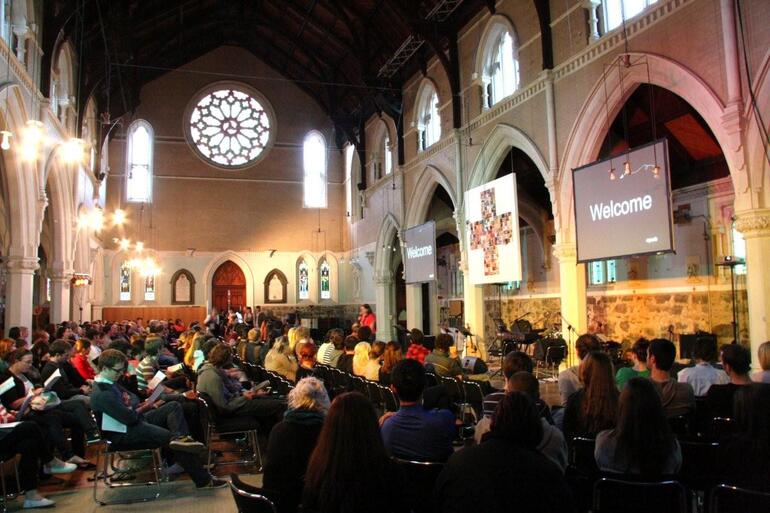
59 354
52 421
129 423
26 440
229 397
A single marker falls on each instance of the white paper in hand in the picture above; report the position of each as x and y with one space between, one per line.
155 381
110 424
52 379
6 385
154 396
176 368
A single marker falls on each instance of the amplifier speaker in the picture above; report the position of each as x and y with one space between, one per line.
687 343
474 365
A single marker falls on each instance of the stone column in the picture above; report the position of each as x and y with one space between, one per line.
473 308
755 227
60 296
384 298
572 286
414 306
19 290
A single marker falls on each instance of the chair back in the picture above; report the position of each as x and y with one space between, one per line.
249 499
390 401
431 380
555 354
581 456
700 464
358 384
732 499
721 428
421 476
680 425
453 388
207 411
474 396
632 496
373 391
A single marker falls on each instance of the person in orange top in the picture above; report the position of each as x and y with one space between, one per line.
80 359
416 350
367 318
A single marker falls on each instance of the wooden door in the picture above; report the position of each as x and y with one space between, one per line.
228 287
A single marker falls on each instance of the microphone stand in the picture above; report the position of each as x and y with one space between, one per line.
570 331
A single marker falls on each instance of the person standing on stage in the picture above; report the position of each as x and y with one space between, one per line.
367 318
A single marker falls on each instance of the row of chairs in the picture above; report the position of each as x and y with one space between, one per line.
697 483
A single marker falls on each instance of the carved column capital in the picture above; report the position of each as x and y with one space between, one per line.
565 252
23 265
753 223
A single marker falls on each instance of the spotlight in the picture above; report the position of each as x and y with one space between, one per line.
125 244
612 174
6 143
118 217
656 171
626 168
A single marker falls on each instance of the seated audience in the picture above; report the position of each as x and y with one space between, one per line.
417 351
329 353
642 441
443 364
26 440
307 358
372 368
7 346
280 359
291 442
736 361
361 357
505 472
763 353
515 361
51 419
149 366
80 359
703 374
678 398
349 469
345 361
592 408
389 360
60 353
552 445
744 458
146 424
569 379
638 356
227 394
414 433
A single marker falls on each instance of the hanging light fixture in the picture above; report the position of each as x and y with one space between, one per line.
73 150
32 140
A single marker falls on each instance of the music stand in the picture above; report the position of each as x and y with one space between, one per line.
731 262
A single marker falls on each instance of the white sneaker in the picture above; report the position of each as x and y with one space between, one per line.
39 503
57 466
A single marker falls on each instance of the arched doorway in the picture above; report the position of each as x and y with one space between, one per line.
228 287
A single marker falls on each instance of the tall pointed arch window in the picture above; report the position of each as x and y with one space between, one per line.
429 120
124 283
139 162
314 165
325 277
615 11
501 70
387 152
303 280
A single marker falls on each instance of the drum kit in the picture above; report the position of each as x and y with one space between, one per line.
544 345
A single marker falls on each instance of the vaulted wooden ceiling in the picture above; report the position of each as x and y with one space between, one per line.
335 50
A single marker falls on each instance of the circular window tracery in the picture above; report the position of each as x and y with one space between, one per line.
229 127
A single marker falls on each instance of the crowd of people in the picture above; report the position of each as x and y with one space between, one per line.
329 450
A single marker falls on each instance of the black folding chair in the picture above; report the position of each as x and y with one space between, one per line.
732 499
623 495
390 401
700 465
215 426
431 380
421 476
249 499
474 397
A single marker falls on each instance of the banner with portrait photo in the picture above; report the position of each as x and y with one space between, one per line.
492 232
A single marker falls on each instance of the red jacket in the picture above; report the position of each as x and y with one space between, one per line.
417 352
83 366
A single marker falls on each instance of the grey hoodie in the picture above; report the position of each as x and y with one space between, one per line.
210 382
677 398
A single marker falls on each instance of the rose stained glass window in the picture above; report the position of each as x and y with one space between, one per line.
229 127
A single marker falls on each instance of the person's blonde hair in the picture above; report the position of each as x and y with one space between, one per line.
197 342
361 357
309 394
764 356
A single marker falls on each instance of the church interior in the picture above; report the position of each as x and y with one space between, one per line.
277 207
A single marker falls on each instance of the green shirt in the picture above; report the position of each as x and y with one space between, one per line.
626 373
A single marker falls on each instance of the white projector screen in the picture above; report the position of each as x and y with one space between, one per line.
420 253
630 215
492 232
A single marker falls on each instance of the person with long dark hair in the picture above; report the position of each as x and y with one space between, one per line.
505 472
350 461
594 407
642 441
744 457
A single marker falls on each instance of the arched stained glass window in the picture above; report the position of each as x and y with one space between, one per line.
125 281
303 281
139 162
325 273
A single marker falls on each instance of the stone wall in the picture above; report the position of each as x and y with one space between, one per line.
629 316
